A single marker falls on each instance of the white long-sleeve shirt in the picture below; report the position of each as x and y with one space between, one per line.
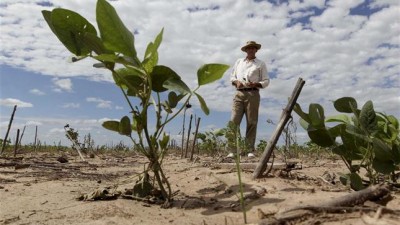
254 71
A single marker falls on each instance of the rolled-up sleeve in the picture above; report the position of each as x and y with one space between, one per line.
264 78
234 74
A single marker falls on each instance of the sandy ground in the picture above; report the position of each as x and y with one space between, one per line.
37 189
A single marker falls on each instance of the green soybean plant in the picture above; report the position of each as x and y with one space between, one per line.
367 139
157 89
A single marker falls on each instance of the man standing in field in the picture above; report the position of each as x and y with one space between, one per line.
248 76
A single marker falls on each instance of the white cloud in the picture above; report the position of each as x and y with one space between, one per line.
71 105
56 130
10 102
100 102
337 54
33 123
61 85
36 92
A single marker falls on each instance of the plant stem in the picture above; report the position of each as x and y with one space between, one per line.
239 175
127 99
156 170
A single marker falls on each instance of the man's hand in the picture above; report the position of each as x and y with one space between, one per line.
238 84
254 85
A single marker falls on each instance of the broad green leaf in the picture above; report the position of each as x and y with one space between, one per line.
351 143
336 130
173 99
70 28
396 154
342 118
149 63
125 127
385 167
304 124
203 104
94 43
321 137
317 117
357 132
154 45
134 125
356 182
297 109
340 150
393 132
393 120
159 75
344 178
368 118
107 57
151 56
47 16
113 32
164 142
209 73
137 122
111 125
177 85
219 132
345 104
382 151
124 60
130 79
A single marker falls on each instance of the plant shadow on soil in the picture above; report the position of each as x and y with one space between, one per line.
224 200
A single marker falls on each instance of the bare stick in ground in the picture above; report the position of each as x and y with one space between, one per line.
195 138
16 144
34 143
183 132
8 130
22 135
188 137
286 114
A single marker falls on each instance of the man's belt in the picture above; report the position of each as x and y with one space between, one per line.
248 89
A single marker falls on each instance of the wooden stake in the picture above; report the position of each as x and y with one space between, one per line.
188 137
195 138
22 135
286 114
16 143
8 130
34 143
183 132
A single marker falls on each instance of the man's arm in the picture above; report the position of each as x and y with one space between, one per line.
264 78
233 78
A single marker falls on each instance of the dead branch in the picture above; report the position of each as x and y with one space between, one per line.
339 205
252 166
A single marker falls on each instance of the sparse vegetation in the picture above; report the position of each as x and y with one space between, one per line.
141 81
369 140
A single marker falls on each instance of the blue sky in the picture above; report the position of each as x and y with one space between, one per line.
340 48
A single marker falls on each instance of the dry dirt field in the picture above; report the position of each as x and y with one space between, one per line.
37 189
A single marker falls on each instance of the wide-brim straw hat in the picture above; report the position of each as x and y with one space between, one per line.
251 44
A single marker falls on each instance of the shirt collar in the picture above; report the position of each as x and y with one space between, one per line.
249 60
